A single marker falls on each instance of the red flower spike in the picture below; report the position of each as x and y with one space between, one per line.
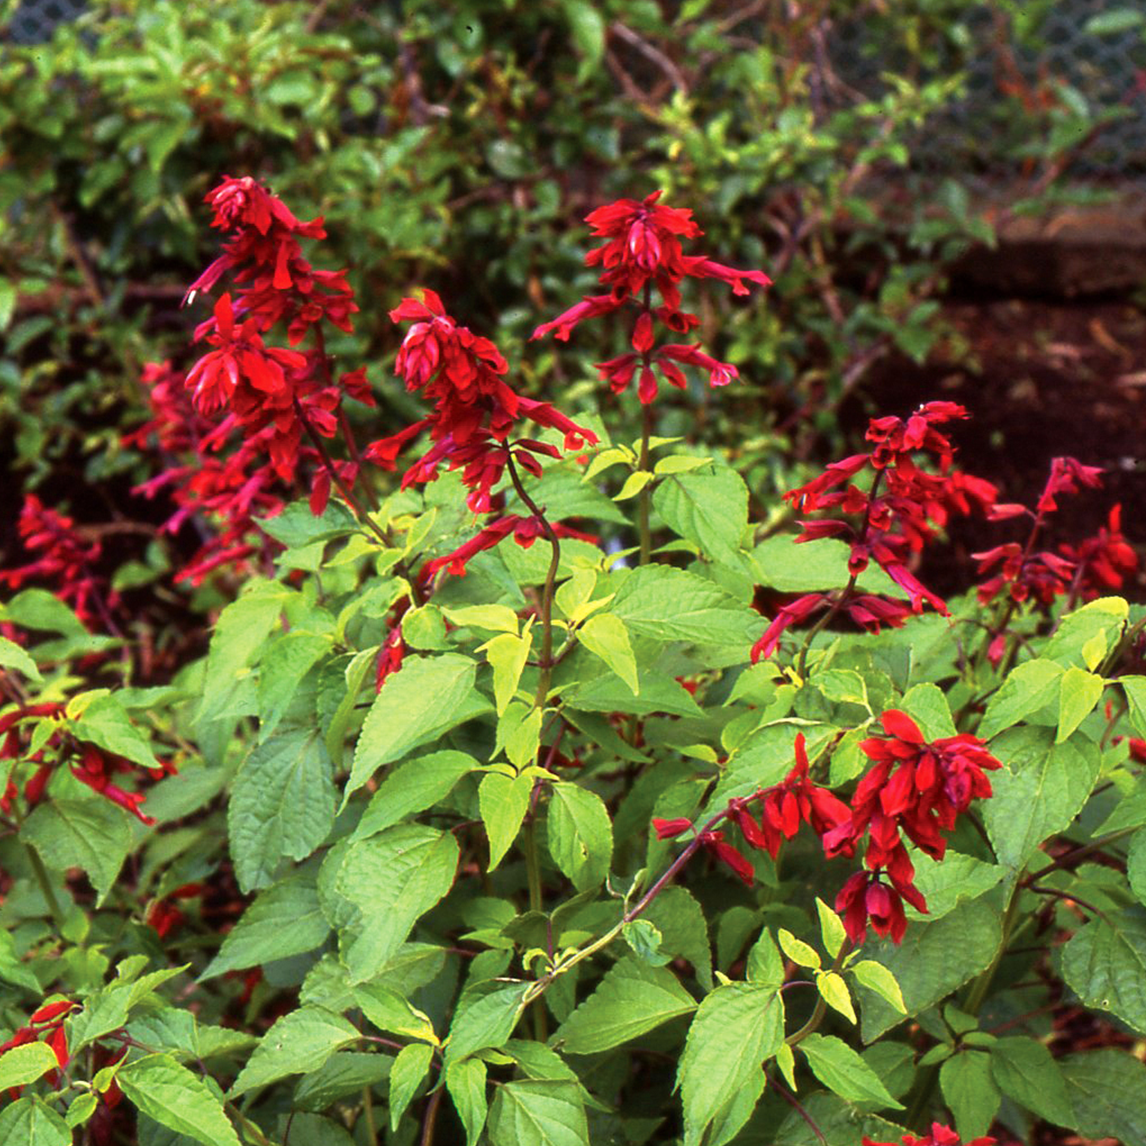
940 1136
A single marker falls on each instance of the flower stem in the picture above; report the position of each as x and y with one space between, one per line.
645 497
821 624
545 660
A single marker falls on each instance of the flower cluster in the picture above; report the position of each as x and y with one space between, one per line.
90 764
64 558
643 251
783 807
45 1025
918 790
889 522
165 916
1096 565
940 1136
473 424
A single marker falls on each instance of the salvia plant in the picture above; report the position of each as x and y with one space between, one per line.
535 794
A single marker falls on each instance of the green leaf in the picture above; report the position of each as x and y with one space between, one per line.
1135 688
797 950
675 605
1039 790
645 940
834 991
765 966
1107 616
631 999
1104 963
876 977
12 970
40 610
842 1070
605 635
587 26
282 805
284 920
708 509
344 1073
503 802
507 655
287 660
948 882
465 1080
413 787
105 723
634 483
240 633
92 834
29 1122
1107 1091
933 960
12 656
485 1018
538 1112
970 1092
658 693
390 1011
175 1097
580 834
391 880
498 618
355 675
684 931
24 1064
422 701
928 707
831 928
1136 865
721 1075
406 1075
1024 1070
296 1044
1028 687
1079 693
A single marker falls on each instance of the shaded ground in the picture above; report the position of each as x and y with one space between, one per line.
1041 379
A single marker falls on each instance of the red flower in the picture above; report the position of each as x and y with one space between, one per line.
790 614
670 829
1104 561
865 899
940 1136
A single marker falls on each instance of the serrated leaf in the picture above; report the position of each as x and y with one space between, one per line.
92 834
708 509
390 1011
970 1092
390 880
876 977
413 787
1024 1070
288 658
933 960
12 970
297 1043
684 930
484 1018
634 483
538 1112
498 618
282 805
503 802
406 1075
765 966
104 722
173 1096
676 605
580 834
948 882
1104 963
831 928
1107 1092
834 991
797 950
737 1027
1039 790
605 636
284 920
29 1122
24 1064
465 1080
1079 693
844 1072
422 701
631 999
12 656
507 655
1028 687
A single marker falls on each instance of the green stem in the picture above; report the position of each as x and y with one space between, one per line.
817 1017
45 884
368 1114
821 624
645 497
